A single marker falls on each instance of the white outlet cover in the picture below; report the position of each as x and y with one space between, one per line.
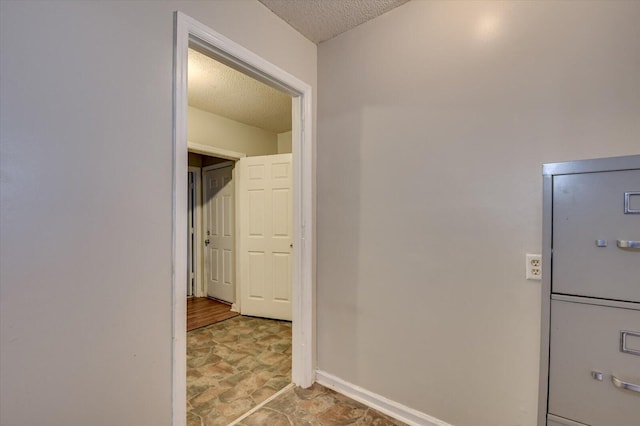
533 269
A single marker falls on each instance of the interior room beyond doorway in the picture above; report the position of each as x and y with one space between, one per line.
190 34
240 238
235 364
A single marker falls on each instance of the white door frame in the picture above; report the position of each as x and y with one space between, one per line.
212 151
188 30
197 230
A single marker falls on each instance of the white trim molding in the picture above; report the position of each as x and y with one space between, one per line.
212 151
179 219
189 32
378 402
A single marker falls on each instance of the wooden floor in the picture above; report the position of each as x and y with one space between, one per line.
202 311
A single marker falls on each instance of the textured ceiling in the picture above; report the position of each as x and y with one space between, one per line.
219 89
320 20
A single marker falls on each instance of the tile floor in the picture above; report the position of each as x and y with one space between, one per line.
316 406
234 365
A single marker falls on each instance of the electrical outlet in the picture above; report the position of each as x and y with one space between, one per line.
534 267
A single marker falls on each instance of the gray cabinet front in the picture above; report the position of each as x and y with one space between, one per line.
596 235
588 367
590 334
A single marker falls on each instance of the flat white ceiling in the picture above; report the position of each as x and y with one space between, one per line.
221 90
320 20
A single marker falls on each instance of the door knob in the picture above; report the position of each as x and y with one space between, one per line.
206 242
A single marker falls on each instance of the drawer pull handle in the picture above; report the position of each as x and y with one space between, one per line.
623 342
627 203
624 385
628 244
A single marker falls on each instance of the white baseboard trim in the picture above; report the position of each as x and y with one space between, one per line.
378 402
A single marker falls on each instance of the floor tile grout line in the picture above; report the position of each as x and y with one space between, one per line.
291 422
261 405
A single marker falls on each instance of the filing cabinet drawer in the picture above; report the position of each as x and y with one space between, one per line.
586 346
559 421
597 206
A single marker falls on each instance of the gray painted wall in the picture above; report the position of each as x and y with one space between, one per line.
429 194
85 249
433 123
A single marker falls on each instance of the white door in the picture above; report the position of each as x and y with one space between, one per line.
219 223
266 227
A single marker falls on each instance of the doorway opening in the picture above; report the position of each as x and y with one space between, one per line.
204 305
234 365
234 362
191 33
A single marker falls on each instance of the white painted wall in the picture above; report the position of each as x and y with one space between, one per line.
220 132
85 247
434 121
284 142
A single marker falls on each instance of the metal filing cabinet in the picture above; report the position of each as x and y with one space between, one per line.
590 335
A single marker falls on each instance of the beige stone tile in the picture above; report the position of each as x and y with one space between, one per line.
311 392
266 417
234 365
318 406
193 419
261 394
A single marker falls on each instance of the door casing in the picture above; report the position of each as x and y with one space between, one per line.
189 31
197 254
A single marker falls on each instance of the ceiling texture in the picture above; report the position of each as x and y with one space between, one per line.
219 89
321 20
222 90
